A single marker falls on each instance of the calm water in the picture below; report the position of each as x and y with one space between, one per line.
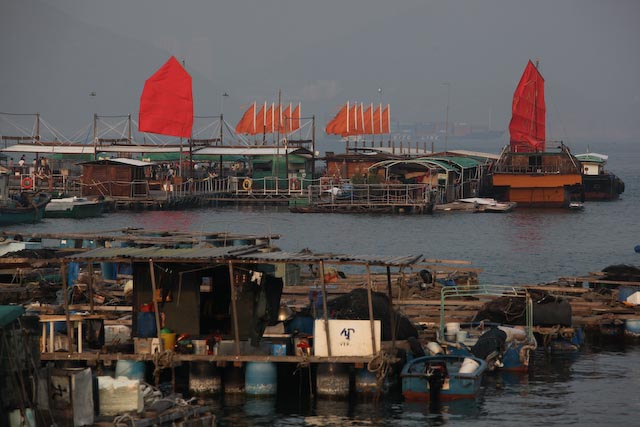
596 387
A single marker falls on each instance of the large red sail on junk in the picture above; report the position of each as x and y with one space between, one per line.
527 126
166 104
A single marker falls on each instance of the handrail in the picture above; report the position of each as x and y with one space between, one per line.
492 290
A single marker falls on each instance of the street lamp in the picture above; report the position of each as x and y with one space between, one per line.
446 120
224 95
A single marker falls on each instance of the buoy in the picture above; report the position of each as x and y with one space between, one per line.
204 379
246 184
637 249
27 182
332 380
261 378
294 184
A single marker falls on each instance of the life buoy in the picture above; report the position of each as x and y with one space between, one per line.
294 184
246 184
325 183
27 182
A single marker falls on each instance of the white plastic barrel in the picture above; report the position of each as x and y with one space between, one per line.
468 366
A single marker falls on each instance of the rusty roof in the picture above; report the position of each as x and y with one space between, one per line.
244 253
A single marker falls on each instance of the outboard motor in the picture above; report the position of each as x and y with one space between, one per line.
436 375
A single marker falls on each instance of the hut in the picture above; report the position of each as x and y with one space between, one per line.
115 177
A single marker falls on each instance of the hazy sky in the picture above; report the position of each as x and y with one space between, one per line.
322 53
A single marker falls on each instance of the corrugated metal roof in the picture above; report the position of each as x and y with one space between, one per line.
251 151
159 253
124 161
247 253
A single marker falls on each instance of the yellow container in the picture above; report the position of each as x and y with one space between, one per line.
168 341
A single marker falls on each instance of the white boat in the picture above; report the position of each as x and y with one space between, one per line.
489 205
74 207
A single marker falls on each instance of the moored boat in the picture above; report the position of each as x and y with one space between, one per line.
442 377
74 207
599 184
23 207
526 172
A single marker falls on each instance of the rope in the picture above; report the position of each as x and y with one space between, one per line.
380 364
161 361
124 420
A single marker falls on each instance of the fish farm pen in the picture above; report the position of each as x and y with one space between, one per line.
217 313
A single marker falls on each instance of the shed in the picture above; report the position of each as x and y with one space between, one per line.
115 177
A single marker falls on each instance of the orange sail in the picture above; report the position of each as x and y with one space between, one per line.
527 126
295 118
368 121
166 103
269 119
247 123
336 126
286 120
386 120
352 121
377 120
261 119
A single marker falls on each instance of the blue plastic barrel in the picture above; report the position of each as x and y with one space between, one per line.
147 324
261 378
109 270
134 370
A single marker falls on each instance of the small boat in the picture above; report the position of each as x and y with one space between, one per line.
74 207
23 207
501 346
442 377
598 183
490 205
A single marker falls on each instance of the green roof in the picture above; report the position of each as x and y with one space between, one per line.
9 313
463 162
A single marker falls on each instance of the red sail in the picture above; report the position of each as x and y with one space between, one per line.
248 121
527 126
166 104
286 120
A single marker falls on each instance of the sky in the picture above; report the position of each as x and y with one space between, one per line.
55 53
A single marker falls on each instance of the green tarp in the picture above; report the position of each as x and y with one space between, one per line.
9 313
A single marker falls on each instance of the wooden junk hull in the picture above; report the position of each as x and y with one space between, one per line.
531 190
544 180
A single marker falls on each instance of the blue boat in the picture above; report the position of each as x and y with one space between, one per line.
442 377
505 347
23 208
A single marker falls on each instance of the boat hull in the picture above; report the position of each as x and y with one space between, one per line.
74 210
530 190
602 187
417 377
33 212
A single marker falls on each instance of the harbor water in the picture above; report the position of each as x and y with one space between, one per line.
597 386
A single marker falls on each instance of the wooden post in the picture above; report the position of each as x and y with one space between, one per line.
65 290
325 314
371 319
234 309
91 308
392 313
152 273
